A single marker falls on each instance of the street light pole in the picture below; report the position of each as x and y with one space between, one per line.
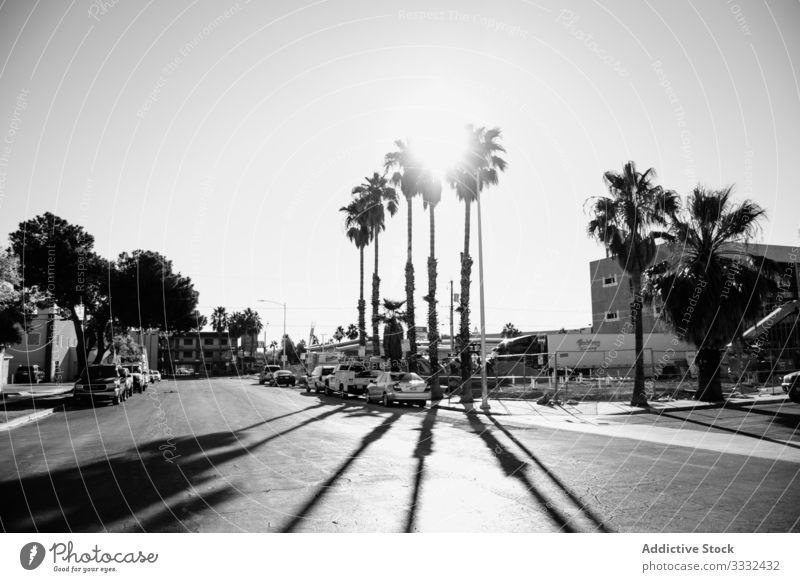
484 386
283 357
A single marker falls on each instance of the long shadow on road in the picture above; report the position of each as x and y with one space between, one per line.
600 526
154 486
423 449
376 433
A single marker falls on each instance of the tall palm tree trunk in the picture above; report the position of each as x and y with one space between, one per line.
433 322
463 344
709 383
638 398
362 305
410 318
376 289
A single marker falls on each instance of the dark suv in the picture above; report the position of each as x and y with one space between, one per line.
28 375
103 382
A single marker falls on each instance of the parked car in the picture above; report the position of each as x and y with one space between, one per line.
283 378
265 377
391 387
320 378
349 378
140 379
791 385
155 376
28 374
105 382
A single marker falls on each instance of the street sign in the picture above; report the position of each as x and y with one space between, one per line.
284 359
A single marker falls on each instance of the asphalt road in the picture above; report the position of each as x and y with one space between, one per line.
230 455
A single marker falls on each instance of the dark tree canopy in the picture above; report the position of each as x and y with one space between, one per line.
59 258
147 294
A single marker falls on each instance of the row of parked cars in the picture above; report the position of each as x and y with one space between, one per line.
375 385
113 383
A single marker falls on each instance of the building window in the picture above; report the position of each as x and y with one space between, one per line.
188 355
188 341
208 354
34 339
223 341
610 281
208 341
612 316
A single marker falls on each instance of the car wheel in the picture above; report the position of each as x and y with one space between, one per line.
794 394
385 400
116 400
421 404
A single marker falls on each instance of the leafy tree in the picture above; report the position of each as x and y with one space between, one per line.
358 233
711 284
59 258
378 198
338 335
629 222
147 294
479 168
16 302
407 176
509 330
126 349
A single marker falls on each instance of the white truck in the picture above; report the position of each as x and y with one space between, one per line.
352 377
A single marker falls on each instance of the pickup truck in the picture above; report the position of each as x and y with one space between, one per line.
103 382
351 378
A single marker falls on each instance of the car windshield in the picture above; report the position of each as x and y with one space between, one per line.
327 370
102 371
404 377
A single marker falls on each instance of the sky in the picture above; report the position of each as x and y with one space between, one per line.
227 135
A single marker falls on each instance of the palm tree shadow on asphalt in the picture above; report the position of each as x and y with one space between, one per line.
376 433
514 467
142 489
423 449
597 520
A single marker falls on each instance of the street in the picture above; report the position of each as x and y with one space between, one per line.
227 454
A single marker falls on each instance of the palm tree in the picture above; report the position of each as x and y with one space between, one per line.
338 335
377 197
431 187
219 323
480 167
237 327
392 333
711 284
509 330
274 346
407 175
352 331
253 328
627 223
358 233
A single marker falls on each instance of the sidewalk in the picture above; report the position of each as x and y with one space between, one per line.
564 411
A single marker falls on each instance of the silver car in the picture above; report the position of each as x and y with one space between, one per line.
390 387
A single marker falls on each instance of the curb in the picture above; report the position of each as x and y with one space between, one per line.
34 416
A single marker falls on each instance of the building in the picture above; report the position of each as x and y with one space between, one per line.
199 352
50 343
611 292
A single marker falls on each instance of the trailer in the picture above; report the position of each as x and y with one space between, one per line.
591 354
